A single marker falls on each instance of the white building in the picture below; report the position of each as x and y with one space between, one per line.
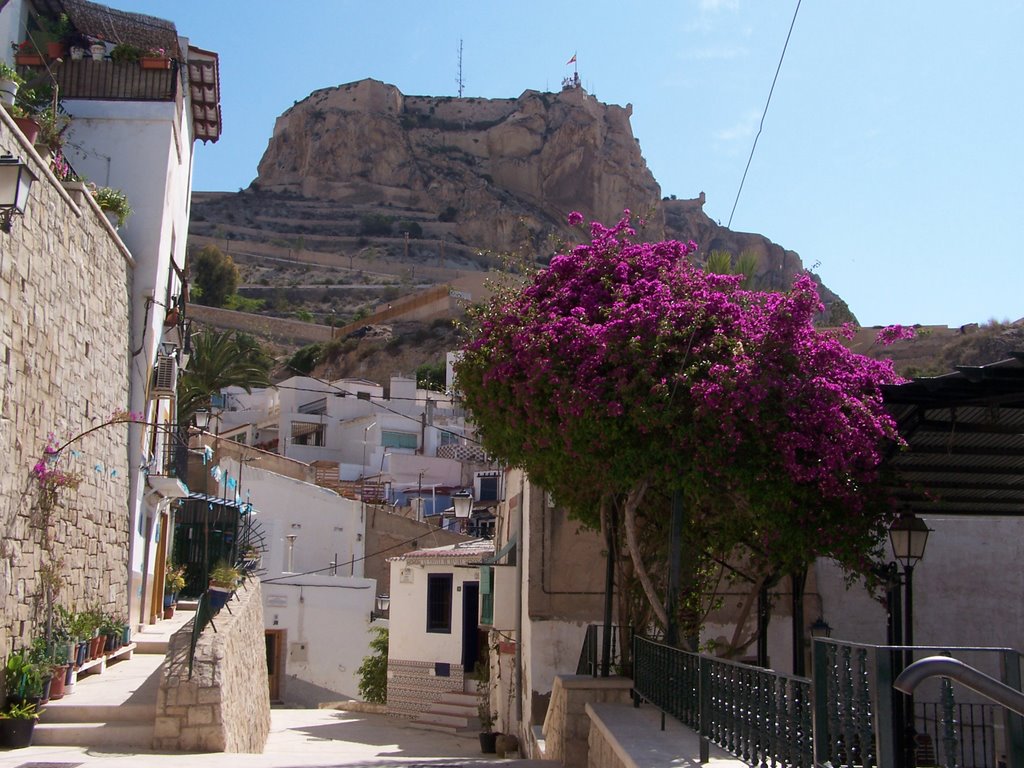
435 639
316 603
134 129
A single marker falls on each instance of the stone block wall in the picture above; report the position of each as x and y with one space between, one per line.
567 725
224 705
65 279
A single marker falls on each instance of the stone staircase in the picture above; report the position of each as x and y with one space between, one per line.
113 701
454 712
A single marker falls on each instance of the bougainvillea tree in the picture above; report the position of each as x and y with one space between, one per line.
622 373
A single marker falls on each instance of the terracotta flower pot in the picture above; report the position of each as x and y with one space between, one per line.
29 127
154 62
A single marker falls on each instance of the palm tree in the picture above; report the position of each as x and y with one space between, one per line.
720 263
219 359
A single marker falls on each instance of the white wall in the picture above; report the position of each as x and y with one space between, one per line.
144 149
966 589
326 616
327 633
409 640
326 526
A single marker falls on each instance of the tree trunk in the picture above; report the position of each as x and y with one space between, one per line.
633 500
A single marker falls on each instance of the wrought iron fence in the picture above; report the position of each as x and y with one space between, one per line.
590 654
975 731
857 721
762 717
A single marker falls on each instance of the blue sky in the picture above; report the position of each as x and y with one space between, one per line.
891 156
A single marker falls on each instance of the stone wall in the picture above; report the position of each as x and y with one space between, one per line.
65 279
224 706
567 725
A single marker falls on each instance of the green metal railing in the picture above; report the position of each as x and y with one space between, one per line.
857 720
591 657
760 716
847 716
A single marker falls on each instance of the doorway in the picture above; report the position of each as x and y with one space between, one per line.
275 640
470 626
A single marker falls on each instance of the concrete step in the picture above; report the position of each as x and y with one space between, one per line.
430 727
154 646
470 700
458 710
94 735
69 712
436 718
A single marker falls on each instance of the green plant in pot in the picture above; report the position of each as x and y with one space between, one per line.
488 738
23 678
224 579
112 201
17 723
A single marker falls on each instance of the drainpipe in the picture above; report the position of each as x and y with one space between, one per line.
519 604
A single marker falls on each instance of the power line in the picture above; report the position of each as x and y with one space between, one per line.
764 113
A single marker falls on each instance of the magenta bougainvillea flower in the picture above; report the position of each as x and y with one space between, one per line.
622 363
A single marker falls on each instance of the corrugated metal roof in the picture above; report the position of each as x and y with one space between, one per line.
461 551
965 435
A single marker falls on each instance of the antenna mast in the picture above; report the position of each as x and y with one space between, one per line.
459 80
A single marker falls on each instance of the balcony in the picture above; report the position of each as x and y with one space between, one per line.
110 80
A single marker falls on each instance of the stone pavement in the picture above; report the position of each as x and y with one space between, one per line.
298 738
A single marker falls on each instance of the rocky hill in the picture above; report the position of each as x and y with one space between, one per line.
365 194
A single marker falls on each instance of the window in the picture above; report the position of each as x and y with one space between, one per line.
306 433
398 440
448 438
489 488
439 603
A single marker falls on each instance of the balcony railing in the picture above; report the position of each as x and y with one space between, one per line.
110 80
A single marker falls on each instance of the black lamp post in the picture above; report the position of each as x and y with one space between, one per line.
821 628
908 536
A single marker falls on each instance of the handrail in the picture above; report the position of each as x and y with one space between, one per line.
966 675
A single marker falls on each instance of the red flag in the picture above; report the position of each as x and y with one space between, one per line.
571 61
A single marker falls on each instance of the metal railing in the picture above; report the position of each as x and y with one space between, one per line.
590 654
762 717
110 80
857 720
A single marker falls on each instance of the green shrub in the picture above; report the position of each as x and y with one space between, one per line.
303 361
373 672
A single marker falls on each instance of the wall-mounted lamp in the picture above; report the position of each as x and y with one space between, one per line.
202 417
383 606
15 182
463 503
821 628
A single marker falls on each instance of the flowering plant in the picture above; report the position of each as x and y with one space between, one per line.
157 53
624 373
113 200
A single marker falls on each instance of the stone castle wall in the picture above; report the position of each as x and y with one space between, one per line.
224 704
65 279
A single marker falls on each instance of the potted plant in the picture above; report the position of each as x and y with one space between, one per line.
98 51
113 202
488 738
23 678
155 58
10 81
26 55
52 125
174 582
17 722
125 53
56 34
224 580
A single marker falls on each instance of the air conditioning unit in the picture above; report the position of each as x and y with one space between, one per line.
165 376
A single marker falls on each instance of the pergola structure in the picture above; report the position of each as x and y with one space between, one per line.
965 441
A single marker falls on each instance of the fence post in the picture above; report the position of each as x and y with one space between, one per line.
1014 723
704 706
819 685
881 695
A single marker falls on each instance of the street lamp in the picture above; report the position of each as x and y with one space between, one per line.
908 536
